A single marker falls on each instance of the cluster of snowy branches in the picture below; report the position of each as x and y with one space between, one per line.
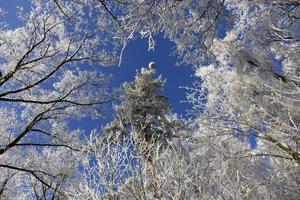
242 143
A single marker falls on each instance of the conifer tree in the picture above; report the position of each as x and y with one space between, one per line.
144 114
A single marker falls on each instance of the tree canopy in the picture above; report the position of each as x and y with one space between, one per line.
241 140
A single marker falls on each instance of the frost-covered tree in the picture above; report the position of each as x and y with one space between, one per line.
132 143
143 111
43 85
251 92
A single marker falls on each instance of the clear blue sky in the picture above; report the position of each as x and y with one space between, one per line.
136 55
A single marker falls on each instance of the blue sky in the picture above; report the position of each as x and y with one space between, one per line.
136 55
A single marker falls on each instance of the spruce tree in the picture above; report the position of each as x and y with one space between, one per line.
144 114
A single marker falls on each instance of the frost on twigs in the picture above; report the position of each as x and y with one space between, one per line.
42 88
